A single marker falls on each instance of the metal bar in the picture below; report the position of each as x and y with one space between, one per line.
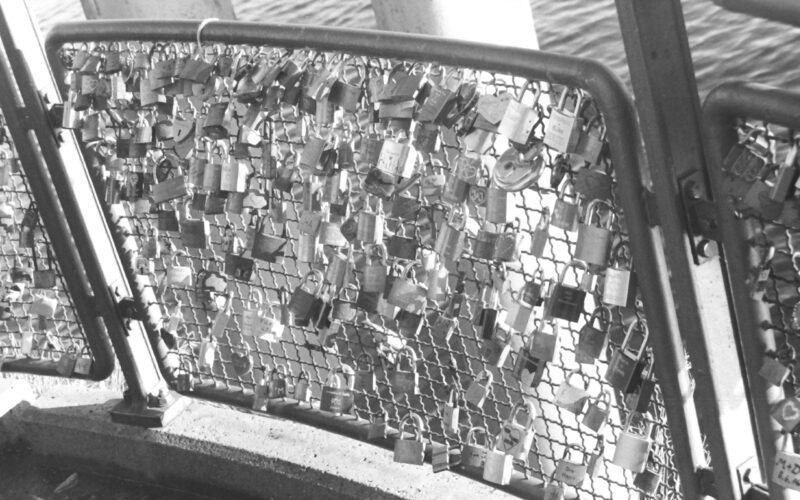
722 107
606 88
55 222
669 111
782 11
131 345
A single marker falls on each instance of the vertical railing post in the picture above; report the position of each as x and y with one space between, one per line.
668 105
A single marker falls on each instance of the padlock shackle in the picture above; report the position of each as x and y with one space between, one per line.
319 283
599 313
573 263
361 358
592 211
279 370
407 353
629 335
484 375
417 422
574 372
528 408
470 439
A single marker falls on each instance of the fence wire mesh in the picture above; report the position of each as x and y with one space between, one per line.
38 322
271 111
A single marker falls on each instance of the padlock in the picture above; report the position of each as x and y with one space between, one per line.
302 391
83 365
276 385
452 410
508 244
495 350
377 427
518 118
498 204
785 468
175 187
241 360
194 232
519 315
451 236
365 373
594 242
597 412
498 465
540 234
337 393
593 185
595 459
208 349
375 270
566 301
465 173
340 269
563 129
66 363
397 159
44 278
514 438
649 480
43 305
221 320
401 246
346 93
405 381
268 247
591 338
410 451
479 389
233 175
306 304
633 444
626 365
330 233
639 398
406 293
773 369
571 468
239 266
786 176
565 213
370 226
592 141
473 455
570 397
483 246
787 413
554 491
619 283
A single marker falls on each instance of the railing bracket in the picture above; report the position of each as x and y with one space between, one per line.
161 409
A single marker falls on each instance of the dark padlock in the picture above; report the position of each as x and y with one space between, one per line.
305 304
566 301
592 339
626 364
401 246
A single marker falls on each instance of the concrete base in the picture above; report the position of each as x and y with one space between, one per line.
13 394
218 450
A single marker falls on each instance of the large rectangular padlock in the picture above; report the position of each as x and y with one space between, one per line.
337 393
633 445
594 242
410 451
563 129
498 466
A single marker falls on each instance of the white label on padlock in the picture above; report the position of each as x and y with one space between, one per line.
786 471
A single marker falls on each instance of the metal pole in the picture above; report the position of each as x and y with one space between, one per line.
663 79
782 11
722 108
130 342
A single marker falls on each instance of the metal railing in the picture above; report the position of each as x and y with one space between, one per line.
445 361
758 237
782 11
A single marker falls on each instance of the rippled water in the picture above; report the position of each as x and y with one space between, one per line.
724 45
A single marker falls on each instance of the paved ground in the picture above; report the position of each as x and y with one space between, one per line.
25 477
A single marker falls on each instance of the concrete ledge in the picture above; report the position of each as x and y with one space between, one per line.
211 449
13 394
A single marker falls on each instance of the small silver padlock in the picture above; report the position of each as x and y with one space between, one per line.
594 242
499 464
563 129
516 439
479 389
473 455
405 381
633 444
565 213
571 397
597 412
452 410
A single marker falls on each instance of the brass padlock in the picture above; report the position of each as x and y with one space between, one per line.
410 451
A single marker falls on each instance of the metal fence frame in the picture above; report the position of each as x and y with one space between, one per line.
55 224
725 105
782 11
608 91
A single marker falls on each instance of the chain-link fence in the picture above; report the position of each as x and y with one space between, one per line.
303 213
40 331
